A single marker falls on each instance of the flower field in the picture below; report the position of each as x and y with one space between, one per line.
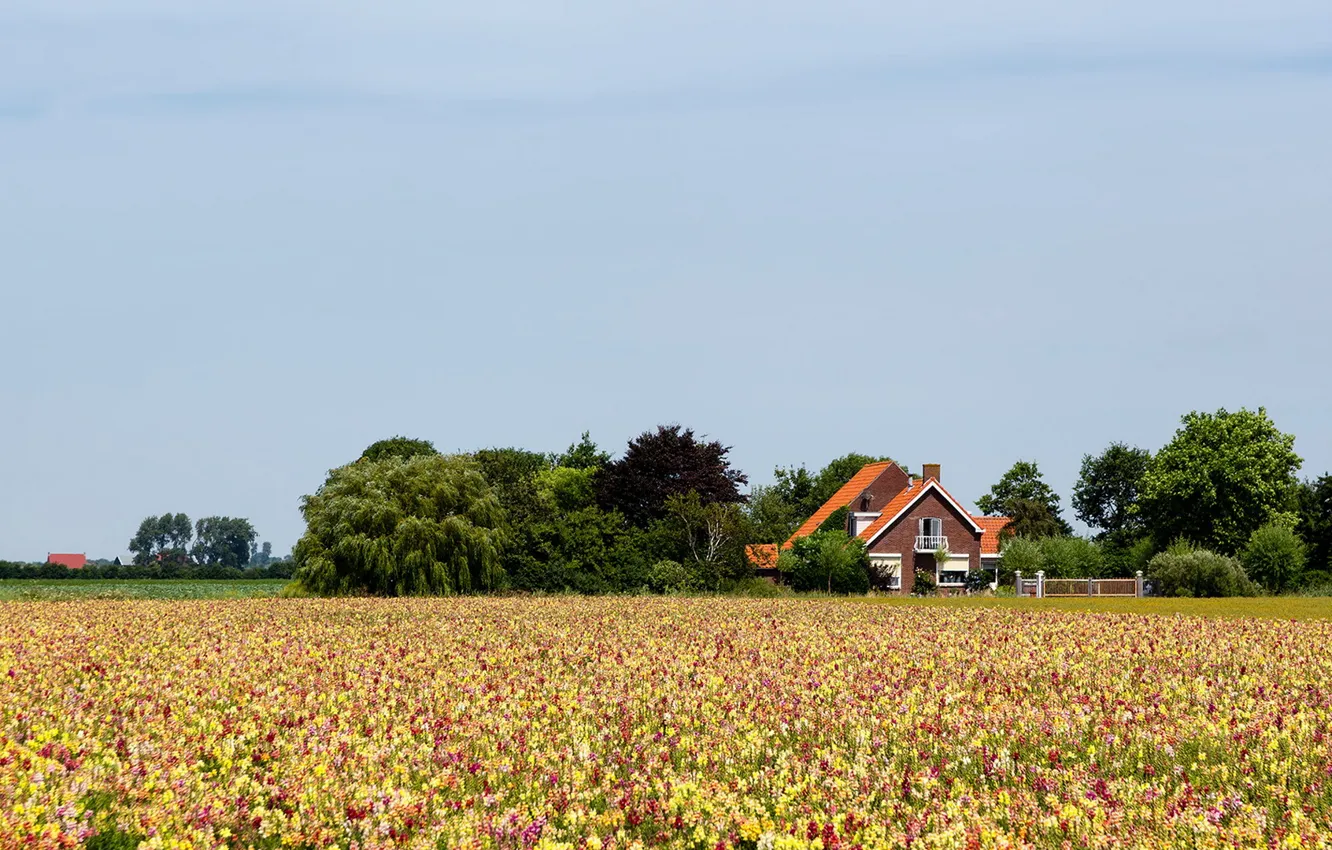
614 723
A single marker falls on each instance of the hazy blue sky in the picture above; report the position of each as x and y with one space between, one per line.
241 240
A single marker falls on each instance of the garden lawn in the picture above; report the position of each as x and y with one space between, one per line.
647 722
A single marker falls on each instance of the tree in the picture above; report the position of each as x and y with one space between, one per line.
147 541
584 550
511 473
177 530
1022 481
399 447
1314 504
1223 476
714 536
164 538
1107 490
831 561
583 455
1031 519
223 541
664 463
771 515
427 524
263 556
1274 557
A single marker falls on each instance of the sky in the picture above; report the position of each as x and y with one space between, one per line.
241 240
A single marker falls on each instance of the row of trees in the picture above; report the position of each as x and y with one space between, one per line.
221 540
96 570
670 515
405 519
1222 495
171 546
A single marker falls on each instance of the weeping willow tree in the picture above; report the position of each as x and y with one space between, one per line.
423 525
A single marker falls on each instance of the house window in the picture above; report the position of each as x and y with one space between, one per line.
931 527
887 571
953 572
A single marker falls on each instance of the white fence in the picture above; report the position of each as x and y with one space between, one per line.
1041 587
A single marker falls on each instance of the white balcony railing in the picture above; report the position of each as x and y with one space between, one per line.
931 542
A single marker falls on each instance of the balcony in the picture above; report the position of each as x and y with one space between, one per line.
931 542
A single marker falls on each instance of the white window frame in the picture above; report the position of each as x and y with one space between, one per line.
891 557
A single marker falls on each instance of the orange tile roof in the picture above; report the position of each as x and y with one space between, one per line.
762 555
992 525
843 497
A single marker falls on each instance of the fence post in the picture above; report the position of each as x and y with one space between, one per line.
1089 587
1138 584
1017 574
1040 584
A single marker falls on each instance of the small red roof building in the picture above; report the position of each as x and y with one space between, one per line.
909 525
74 562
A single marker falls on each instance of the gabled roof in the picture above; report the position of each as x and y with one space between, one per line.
843 497
75 561
990 537
902 502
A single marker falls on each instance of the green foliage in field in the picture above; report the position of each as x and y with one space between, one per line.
164 589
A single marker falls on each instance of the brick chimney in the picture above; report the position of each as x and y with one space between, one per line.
931 470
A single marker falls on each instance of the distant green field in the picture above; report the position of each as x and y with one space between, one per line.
21 589
1270 607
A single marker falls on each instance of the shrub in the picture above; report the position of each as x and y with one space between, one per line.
923 584
977 581
1019 555
1059 557
1274 557
758 588
672 577
1183 570
827 560
294 590
1071 557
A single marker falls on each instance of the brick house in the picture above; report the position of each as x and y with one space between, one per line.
905 522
